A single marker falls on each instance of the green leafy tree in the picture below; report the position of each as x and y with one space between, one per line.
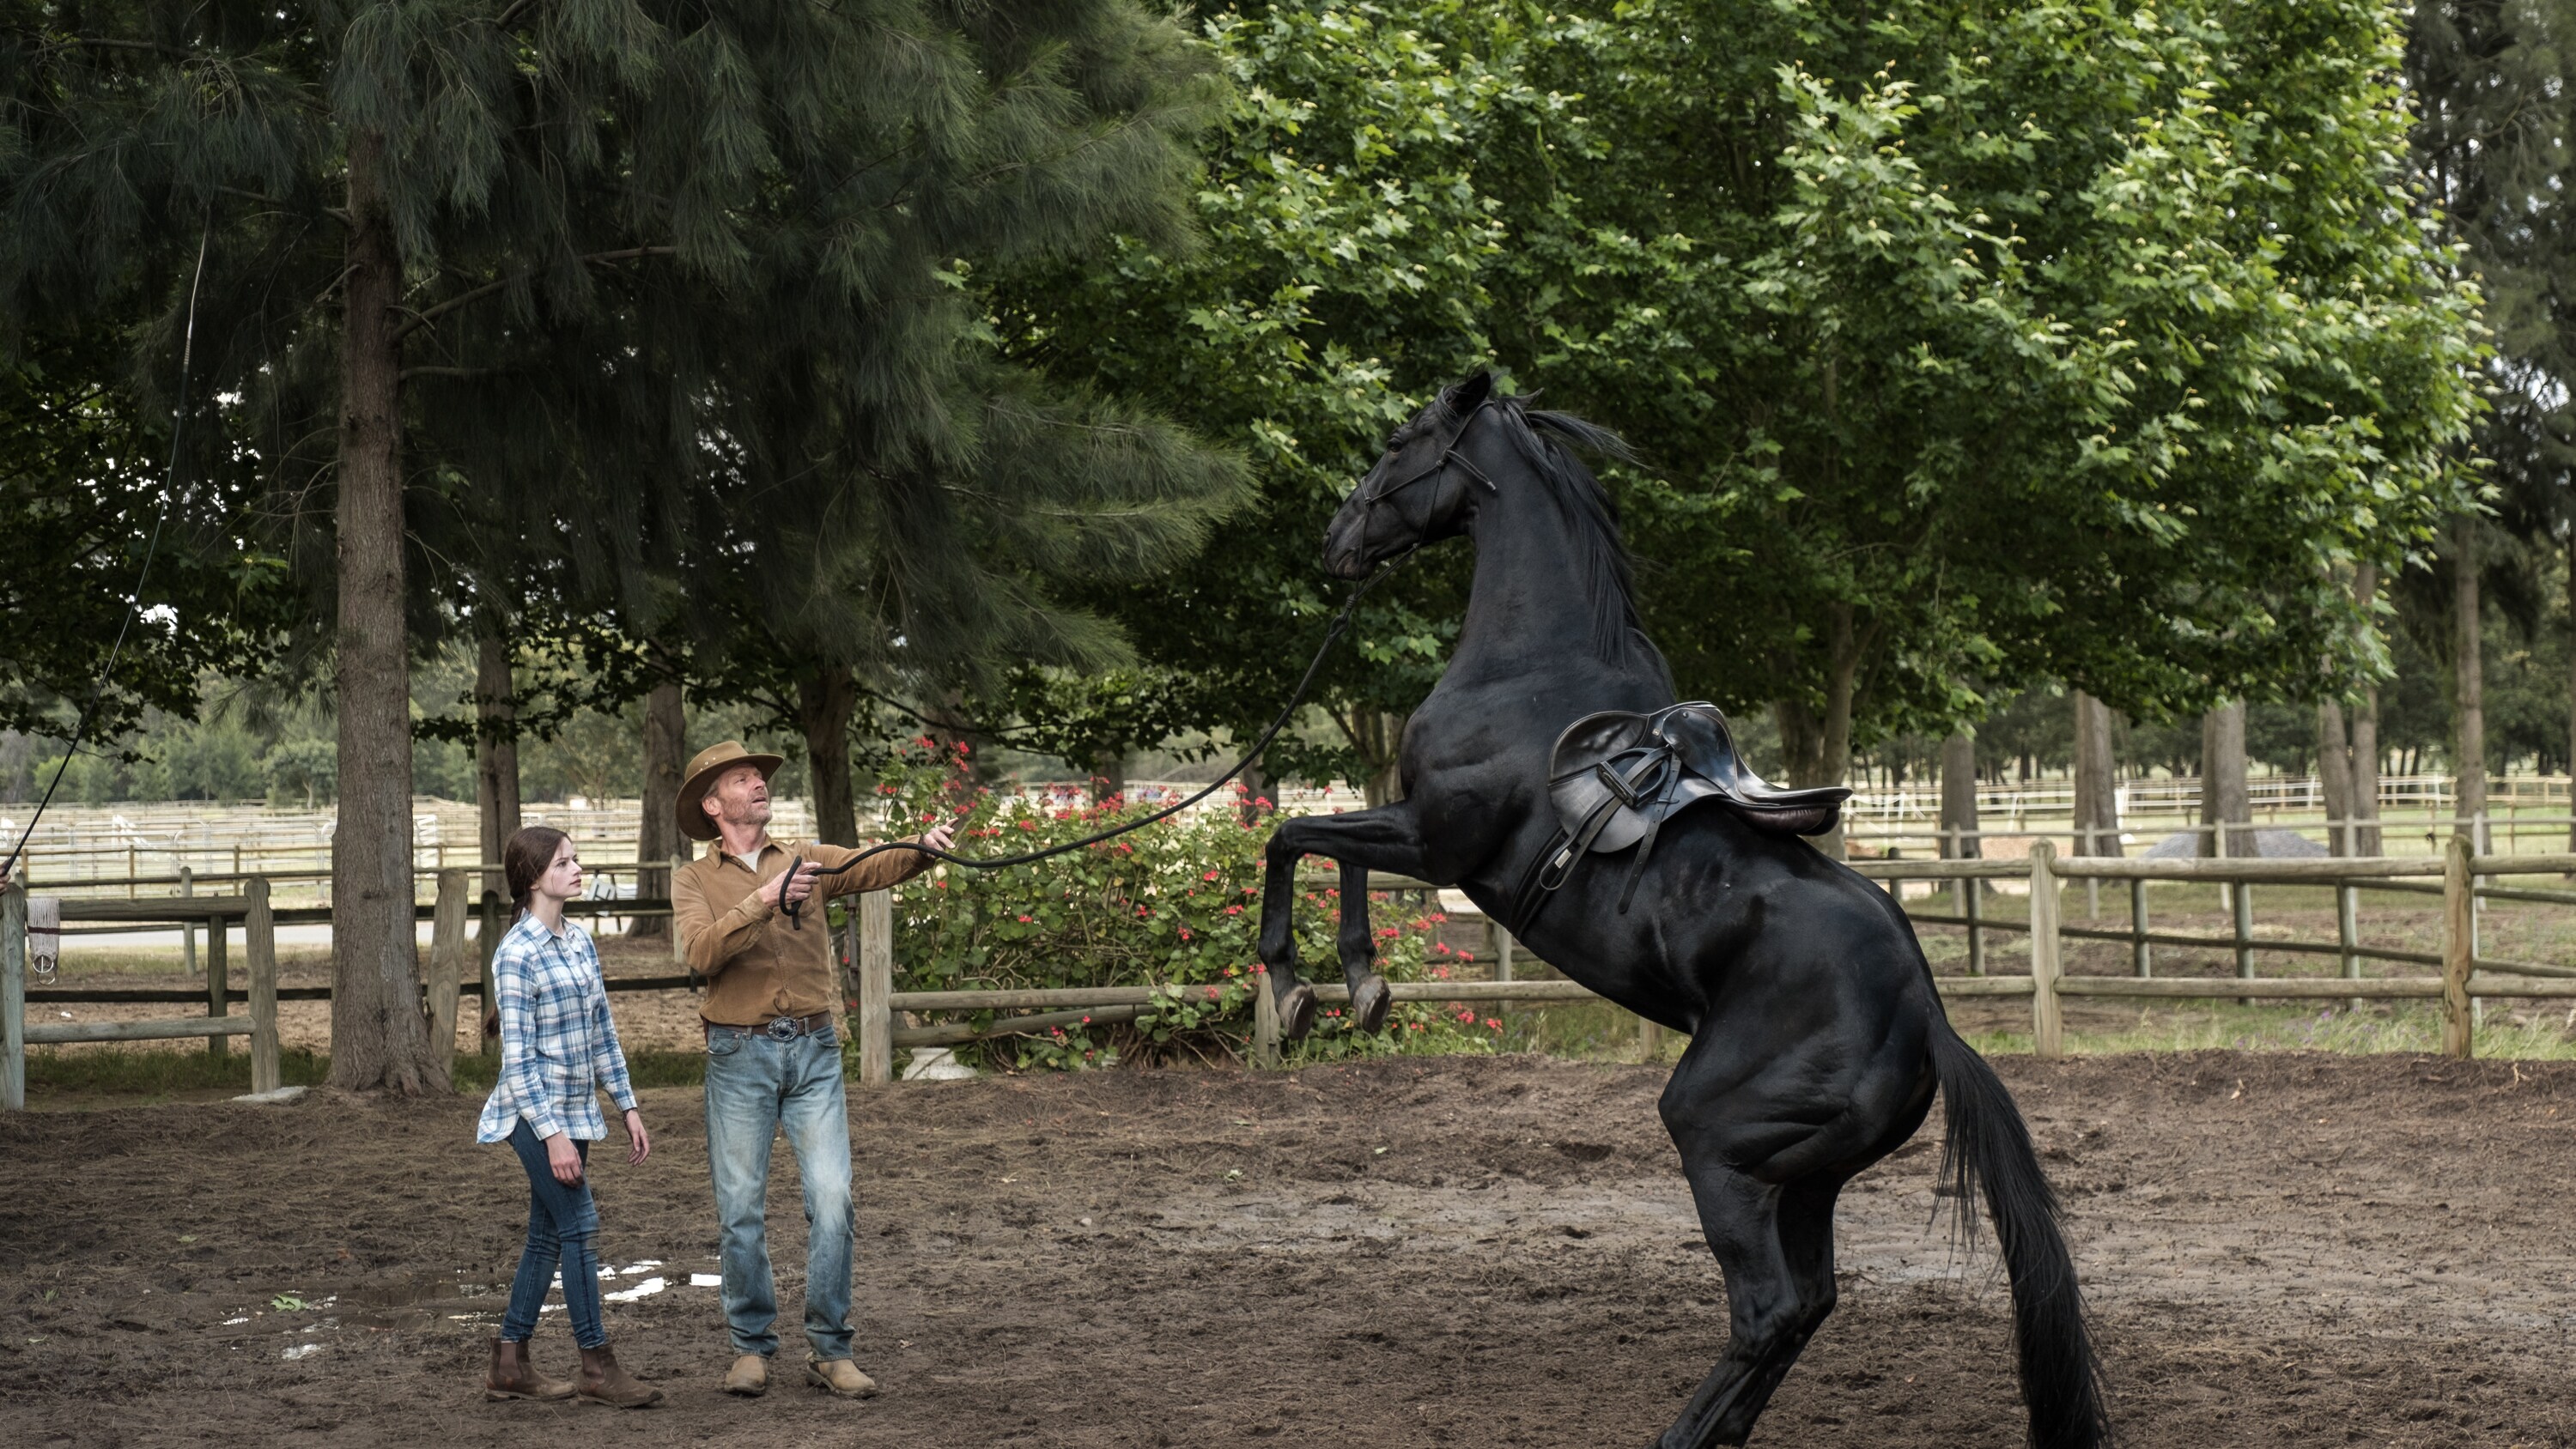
1998 344
1337 273
1968 348
83 502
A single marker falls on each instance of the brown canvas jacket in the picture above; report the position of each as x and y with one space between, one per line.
757 966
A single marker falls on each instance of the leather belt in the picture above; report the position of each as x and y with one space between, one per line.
777 1028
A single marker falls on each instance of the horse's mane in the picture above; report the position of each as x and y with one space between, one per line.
1609 583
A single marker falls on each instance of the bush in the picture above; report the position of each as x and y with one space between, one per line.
1175 905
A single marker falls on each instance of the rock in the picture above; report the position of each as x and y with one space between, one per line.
280 1097
2268 845
936 1064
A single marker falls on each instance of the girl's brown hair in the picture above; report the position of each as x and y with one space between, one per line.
524 858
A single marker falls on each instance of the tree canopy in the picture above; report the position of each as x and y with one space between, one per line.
1966 347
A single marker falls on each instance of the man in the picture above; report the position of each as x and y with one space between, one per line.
773 1059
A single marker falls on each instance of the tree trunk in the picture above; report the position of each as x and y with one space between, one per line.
2223 797
1377 736
657 834
379 1038
2097 800
1959 797
826 698
1255 788
1109 778
2334 775
2469 673
1818 747
2365 737
496 745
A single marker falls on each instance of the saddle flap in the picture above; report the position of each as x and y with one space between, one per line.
1615 775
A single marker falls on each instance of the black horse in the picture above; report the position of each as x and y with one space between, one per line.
1816 1037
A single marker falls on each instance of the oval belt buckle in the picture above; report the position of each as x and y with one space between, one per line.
784 1028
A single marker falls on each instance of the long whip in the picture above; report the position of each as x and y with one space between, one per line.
1296 697
134 601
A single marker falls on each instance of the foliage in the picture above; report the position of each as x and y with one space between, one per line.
82 494
1999 343
1969 347
1336 276
1174 905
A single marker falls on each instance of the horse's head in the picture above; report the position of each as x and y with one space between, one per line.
1421 490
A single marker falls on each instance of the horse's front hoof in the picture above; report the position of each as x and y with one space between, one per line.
1369 1002
1297 1011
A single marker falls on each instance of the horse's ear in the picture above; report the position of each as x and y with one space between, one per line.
1470 394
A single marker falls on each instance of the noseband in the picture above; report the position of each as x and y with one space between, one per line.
1448 454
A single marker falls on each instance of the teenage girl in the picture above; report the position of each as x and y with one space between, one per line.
558 1049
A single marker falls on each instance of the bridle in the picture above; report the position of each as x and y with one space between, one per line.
1448 454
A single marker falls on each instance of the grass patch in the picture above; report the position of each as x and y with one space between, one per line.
164 1073
180 1072
475 1074
2409 1029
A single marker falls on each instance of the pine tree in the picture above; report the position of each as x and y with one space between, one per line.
535 262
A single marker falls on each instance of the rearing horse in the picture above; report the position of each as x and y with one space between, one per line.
1816 1037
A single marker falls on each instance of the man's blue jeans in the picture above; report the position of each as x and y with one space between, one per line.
756 1085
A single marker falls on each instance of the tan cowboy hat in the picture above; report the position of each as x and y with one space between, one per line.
712 761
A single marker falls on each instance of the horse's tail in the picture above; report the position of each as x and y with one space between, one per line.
1989 1148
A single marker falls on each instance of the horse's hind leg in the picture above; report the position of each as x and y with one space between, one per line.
1358 942
1775 1246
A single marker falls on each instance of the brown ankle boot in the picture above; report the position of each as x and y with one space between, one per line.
603 1382
513 1377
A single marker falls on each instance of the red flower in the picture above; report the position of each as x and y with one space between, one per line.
1234 910
1211 875
1025 921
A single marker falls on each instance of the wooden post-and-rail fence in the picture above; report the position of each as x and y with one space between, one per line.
2465 975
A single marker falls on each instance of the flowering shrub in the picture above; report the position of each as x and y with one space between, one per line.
1175 905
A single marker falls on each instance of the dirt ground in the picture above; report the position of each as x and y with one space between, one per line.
2281 1249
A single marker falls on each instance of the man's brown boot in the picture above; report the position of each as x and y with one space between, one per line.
513 1377
748 1377
840 1376
603 1382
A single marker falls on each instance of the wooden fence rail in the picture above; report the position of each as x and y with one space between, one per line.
2465 975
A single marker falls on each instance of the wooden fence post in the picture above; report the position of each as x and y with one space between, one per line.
876 984
2458 944
2348 933
2141 960
1971 891
1265 1017
187 929
446 964
13 998
259 943
487 940
218 993
2047 1030
679 950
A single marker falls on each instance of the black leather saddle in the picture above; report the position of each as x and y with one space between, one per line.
1616 777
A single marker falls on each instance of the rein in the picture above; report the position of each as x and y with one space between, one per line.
1296 697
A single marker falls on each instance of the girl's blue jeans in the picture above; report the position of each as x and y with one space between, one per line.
562 1221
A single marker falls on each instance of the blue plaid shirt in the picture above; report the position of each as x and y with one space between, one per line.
558 1047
